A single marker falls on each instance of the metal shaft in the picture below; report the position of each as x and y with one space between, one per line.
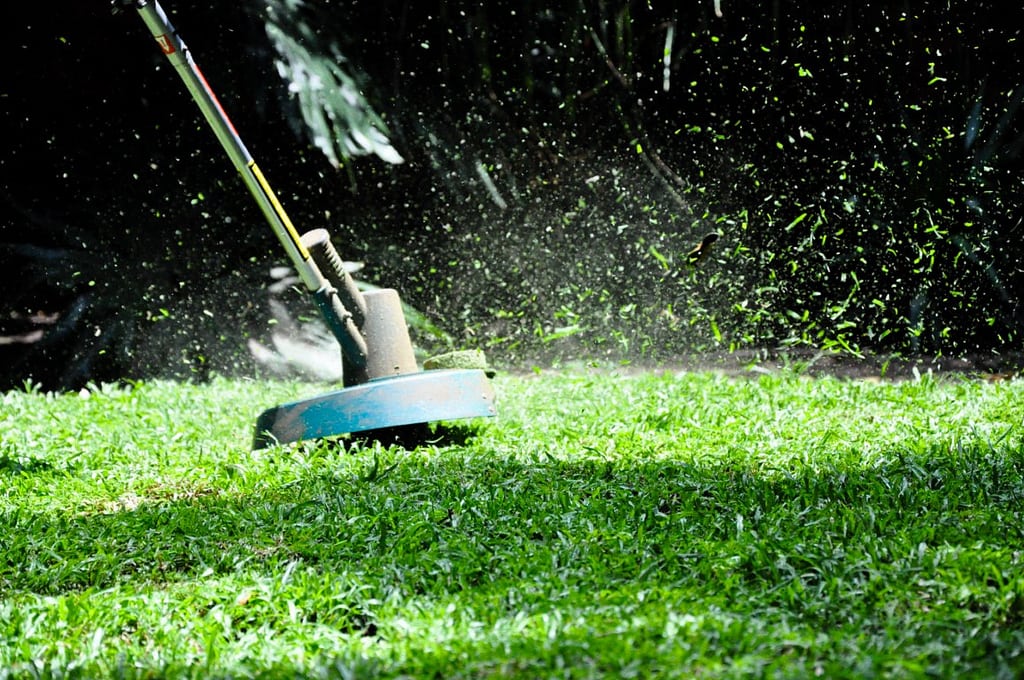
337 317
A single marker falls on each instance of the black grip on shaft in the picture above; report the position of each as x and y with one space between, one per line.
327 259
339 320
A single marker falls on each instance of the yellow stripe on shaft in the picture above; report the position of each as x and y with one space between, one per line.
281 214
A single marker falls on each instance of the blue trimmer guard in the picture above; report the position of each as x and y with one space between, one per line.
379 404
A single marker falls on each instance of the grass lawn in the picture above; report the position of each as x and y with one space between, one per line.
603 525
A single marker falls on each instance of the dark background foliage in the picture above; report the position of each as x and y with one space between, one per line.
860 159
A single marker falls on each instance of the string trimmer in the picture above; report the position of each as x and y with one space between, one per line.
384 389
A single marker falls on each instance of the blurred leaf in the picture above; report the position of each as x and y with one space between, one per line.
338 118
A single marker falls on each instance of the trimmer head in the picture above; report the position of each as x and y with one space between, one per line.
380 404
387 391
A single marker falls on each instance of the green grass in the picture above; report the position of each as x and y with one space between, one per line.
682 525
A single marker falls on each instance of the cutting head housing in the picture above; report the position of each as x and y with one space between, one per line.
380 405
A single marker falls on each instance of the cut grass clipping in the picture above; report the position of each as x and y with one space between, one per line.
611 525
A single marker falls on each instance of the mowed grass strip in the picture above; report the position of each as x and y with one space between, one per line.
602 525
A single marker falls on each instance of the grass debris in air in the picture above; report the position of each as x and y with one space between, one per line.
603 525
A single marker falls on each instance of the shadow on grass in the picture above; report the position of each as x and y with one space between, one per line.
411 436
844 549
15 466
